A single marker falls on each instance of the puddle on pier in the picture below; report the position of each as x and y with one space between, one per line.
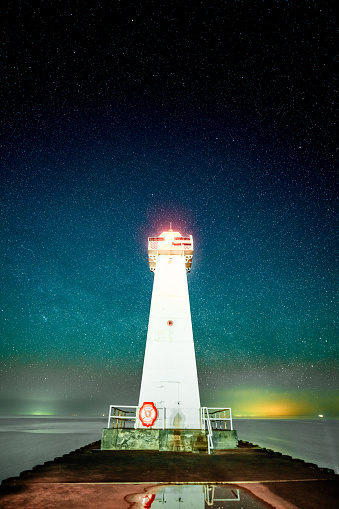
196 496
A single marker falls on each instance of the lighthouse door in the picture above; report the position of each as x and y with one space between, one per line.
170 400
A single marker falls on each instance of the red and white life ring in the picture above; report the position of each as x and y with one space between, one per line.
148 414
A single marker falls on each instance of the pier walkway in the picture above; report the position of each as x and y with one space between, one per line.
91 478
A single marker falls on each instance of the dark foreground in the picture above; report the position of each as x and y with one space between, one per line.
90 478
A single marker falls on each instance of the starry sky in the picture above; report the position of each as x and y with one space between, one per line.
217 116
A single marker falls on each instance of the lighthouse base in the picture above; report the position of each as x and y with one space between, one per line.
130 439
175 440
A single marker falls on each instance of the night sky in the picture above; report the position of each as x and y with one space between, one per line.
217 116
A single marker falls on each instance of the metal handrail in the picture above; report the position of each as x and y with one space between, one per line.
123 417
159 409
219 418
122 414
205 421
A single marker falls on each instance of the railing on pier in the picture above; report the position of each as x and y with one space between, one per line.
127 416
122 416
220 417
215 419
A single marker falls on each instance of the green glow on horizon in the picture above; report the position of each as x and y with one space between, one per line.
39 412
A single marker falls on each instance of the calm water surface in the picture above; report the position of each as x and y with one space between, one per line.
29 441
315 441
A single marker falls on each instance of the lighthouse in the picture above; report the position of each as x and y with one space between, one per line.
169 376
168 416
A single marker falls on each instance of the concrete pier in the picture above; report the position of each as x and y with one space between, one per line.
90 477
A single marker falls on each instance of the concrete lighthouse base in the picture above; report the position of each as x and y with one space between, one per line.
180 440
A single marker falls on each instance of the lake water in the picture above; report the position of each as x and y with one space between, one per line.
314 441
29 441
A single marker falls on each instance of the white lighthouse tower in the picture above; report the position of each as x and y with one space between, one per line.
169 377
168 416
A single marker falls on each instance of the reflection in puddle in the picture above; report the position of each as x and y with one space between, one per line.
197 496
